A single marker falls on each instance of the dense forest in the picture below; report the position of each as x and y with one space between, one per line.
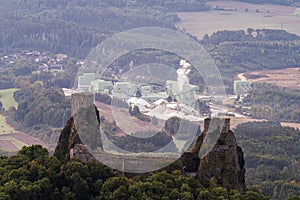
283 107
74 27
42 106
32 174
272 157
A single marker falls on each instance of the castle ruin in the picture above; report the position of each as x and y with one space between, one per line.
81 100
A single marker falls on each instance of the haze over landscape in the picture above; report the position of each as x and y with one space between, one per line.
138 99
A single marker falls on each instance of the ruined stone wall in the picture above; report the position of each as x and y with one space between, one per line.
81 100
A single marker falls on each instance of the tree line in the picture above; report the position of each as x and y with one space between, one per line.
32 174
274 103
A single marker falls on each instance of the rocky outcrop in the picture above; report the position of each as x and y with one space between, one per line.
224 162
80 134
214 155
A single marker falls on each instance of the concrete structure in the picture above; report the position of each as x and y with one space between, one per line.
123 89
155 96
81 100
101 86
143 105
186 94
147 89
241 87
84 81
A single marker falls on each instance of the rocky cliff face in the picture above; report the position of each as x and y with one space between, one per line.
224 162
80 134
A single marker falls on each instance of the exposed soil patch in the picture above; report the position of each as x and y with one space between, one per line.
15 141
7 145
289 77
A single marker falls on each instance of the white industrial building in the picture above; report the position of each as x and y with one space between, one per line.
101 86
143 105
125 89
186 93
147 89
84 81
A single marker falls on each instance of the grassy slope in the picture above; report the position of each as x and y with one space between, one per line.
4 127
7 98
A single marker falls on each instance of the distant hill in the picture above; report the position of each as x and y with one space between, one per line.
74 27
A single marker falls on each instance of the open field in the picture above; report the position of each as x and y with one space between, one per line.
201 23
4 127
7 99
15 141
234 121
289 77
12 140
262 8
294 125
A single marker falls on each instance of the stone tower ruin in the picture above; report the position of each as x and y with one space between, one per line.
81 100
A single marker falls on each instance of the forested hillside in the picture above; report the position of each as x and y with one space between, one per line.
283 107
74 27
272 157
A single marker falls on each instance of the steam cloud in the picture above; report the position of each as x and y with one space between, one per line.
182 73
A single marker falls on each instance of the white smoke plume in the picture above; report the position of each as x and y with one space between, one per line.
182 73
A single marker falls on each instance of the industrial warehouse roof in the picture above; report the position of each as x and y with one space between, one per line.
138 102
